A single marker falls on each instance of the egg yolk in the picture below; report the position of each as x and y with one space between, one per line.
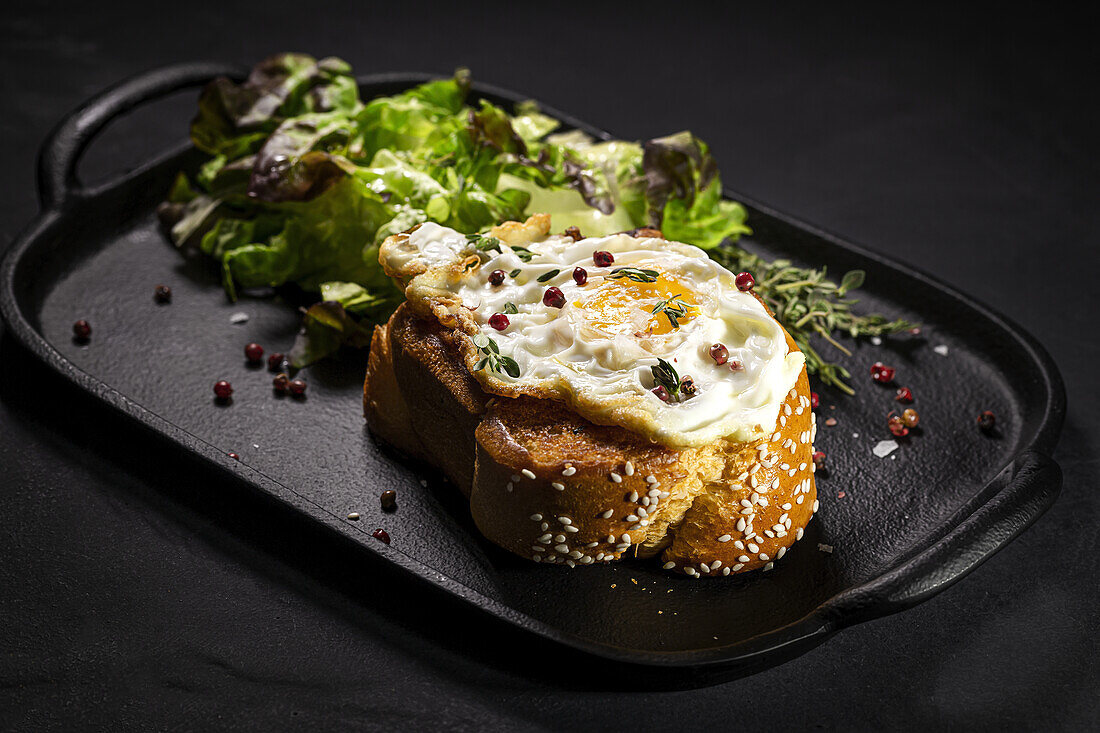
625 306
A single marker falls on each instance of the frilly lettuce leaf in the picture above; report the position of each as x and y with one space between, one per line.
305 181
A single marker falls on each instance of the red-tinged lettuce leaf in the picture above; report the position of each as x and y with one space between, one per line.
677 166
490 127
326 327
302 159
234 119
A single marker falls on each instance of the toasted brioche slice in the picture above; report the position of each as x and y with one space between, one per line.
547 484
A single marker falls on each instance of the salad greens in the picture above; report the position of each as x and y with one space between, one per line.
305 180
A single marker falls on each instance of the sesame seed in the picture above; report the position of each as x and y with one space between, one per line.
570 528
791 473
586 560
753 547
782 551
599 557
562 547
536 558
743 558
746 503
536 548
626 538
632 518
787 506
798 534
816 504
353 516
690 571
544 526
802 466
607 514
654 492
592 544
642 512
703 567
576 554
559 538
558 486
565 520
665 494
769 533
775 484
782 421
737 567
569 471
611 538
643 523
510 486
515 478
783 517
545 539
536 517
651 479
716 564
775 436
799 499
528 473
748 510
753 482
769 566
725 538
645 501
787 410
668 565
739 544
628 469
570 563
633 496
616 478
741 524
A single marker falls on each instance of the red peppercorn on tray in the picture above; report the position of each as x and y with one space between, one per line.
910 501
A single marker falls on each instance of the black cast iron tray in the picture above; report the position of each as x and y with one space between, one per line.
907 527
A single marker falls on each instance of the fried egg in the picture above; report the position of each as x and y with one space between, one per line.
619 342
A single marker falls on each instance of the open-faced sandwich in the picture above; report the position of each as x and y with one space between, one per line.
597 398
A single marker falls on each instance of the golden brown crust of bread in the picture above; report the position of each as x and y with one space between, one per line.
547 484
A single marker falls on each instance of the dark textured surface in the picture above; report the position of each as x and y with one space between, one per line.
133 586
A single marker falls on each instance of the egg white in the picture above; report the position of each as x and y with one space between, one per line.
596 352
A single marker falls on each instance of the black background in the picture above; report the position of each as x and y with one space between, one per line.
963 141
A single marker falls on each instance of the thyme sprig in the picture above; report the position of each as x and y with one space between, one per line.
638 276
493 359
665 375
483 243
674 308
807 303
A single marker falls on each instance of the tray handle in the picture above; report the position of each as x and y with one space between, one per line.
1029 486
58 158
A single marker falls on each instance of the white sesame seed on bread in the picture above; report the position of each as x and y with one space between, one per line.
704 508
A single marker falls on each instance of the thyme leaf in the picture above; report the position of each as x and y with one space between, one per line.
492 359
633 273
674 308
665 375
544 277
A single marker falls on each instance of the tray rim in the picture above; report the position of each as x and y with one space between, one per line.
60 195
